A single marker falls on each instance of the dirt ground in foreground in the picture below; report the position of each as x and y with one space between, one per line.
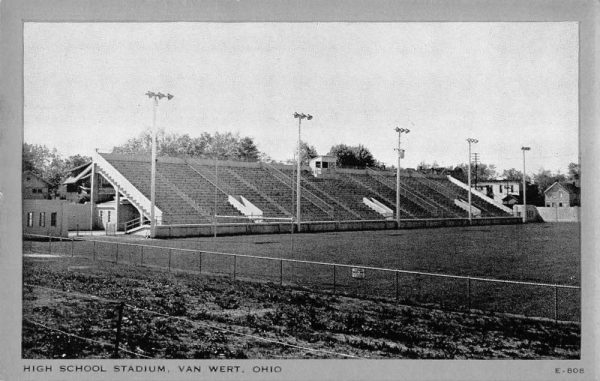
199 317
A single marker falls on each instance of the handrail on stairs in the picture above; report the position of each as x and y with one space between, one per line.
417 199
326 207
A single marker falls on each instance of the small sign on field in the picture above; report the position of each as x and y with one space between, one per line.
358 273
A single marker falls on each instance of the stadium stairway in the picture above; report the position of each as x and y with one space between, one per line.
130 191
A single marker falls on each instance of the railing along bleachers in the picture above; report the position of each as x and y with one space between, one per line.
281 192
233 185
348 192
409 208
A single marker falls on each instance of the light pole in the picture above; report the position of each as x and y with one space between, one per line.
156 97
524 186
400 131
474 141
299 158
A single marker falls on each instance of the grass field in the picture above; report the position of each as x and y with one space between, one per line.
546 253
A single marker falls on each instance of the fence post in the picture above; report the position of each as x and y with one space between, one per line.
49 245
200 264
142 256
72 246
469 293
555 304
94 251
234 266
334 278
170 250
117 254
77 230
118 335
397 286
281 272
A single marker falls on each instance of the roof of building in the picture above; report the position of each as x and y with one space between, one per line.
499 181
326 157
36 176
80 176
569 187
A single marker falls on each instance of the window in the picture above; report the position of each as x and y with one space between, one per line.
101 215
53 219
560 194
30 219
325 164
318 164
500 188
42 219
108 216
34 190
560 204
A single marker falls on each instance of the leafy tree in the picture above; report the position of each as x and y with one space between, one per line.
76 161
307 152
573 171
223 145
544 178
48 163
352 156
247 150
481 172
512 174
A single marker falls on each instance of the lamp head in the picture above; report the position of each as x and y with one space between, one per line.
526 148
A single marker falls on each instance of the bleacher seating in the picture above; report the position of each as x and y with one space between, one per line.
186 190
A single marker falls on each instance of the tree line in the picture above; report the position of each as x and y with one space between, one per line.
537 184
52 167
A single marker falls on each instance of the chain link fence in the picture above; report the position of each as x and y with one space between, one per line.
449 292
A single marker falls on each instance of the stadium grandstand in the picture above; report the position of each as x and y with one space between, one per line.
191 191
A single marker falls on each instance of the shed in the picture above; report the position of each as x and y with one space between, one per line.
322 166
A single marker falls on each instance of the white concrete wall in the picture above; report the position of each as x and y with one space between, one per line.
564 214
43 209
532 212
79 215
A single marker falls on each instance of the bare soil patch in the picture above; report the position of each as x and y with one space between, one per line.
217 317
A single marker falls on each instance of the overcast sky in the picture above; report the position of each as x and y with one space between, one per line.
506 84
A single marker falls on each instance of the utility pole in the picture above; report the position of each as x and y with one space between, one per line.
474 141
400 131
299 159
156 97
